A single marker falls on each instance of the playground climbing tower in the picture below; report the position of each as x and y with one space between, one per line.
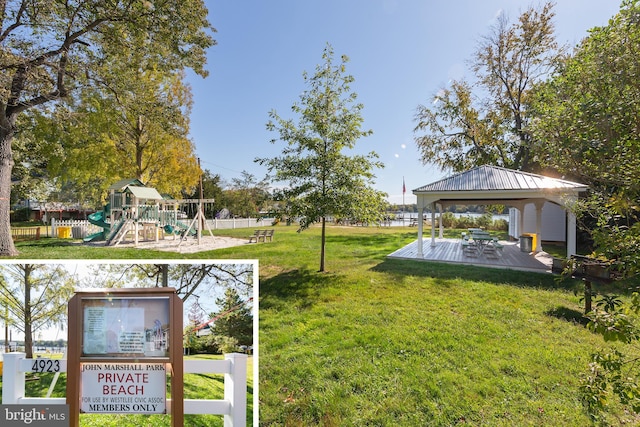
137 210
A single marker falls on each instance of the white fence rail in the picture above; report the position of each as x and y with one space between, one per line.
84 227
226 224
233 406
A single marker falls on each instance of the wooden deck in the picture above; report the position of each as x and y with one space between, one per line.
450 250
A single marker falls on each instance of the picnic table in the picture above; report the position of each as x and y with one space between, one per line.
482 239
481 242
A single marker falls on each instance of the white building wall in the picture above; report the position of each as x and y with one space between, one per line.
554 224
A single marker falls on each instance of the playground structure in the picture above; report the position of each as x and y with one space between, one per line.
140 213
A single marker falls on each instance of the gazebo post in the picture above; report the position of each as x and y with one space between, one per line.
420 230
539 204
440 227
433 221
521 220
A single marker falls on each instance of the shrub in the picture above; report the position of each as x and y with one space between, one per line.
449 220
226 344
501 225
485 221
20 215
465 222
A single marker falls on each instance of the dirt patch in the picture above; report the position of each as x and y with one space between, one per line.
190 245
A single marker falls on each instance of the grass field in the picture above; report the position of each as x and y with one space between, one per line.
196 386
382 342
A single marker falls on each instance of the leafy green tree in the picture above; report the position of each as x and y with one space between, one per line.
485 122
587 124
613 373
246 195
35 297
49 49
40 172
29 175
233 319
322 179
138 127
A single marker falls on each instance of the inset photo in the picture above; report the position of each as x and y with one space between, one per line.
153 342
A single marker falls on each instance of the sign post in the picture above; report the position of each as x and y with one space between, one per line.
122 345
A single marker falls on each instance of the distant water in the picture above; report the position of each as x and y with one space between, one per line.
408 216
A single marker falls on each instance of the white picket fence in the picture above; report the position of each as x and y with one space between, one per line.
82 227
233 406
226 224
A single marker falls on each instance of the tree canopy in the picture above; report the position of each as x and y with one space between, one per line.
586 119
322 179
586 122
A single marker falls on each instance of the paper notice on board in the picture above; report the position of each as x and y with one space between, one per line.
95 326
113 330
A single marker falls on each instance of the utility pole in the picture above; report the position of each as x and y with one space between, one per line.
200 212
6 329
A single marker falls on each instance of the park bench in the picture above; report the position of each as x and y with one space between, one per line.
263 235
254 236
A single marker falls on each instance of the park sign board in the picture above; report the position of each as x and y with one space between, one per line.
124 345
131 388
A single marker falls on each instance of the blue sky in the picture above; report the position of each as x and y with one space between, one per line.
401 53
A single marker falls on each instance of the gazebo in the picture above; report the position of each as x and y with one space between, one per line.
489 185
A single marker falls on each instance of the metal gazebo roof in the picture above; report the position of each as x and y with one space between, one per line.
494 178
492 183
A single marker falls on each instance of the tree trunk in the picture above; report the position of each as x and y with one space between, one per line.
28 337
7 247
588 295
322 242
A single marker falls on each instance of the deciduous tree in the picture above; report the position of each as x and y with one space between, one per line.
48 49
323 179
587 125
246 195
187 279
485 121
134 125
36 297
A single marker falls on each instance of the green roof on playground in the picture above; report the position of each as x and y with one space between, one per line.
124 183
147 193
137 188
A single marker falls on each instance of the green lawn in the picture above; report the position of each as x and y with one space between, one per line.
196 386
380 342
